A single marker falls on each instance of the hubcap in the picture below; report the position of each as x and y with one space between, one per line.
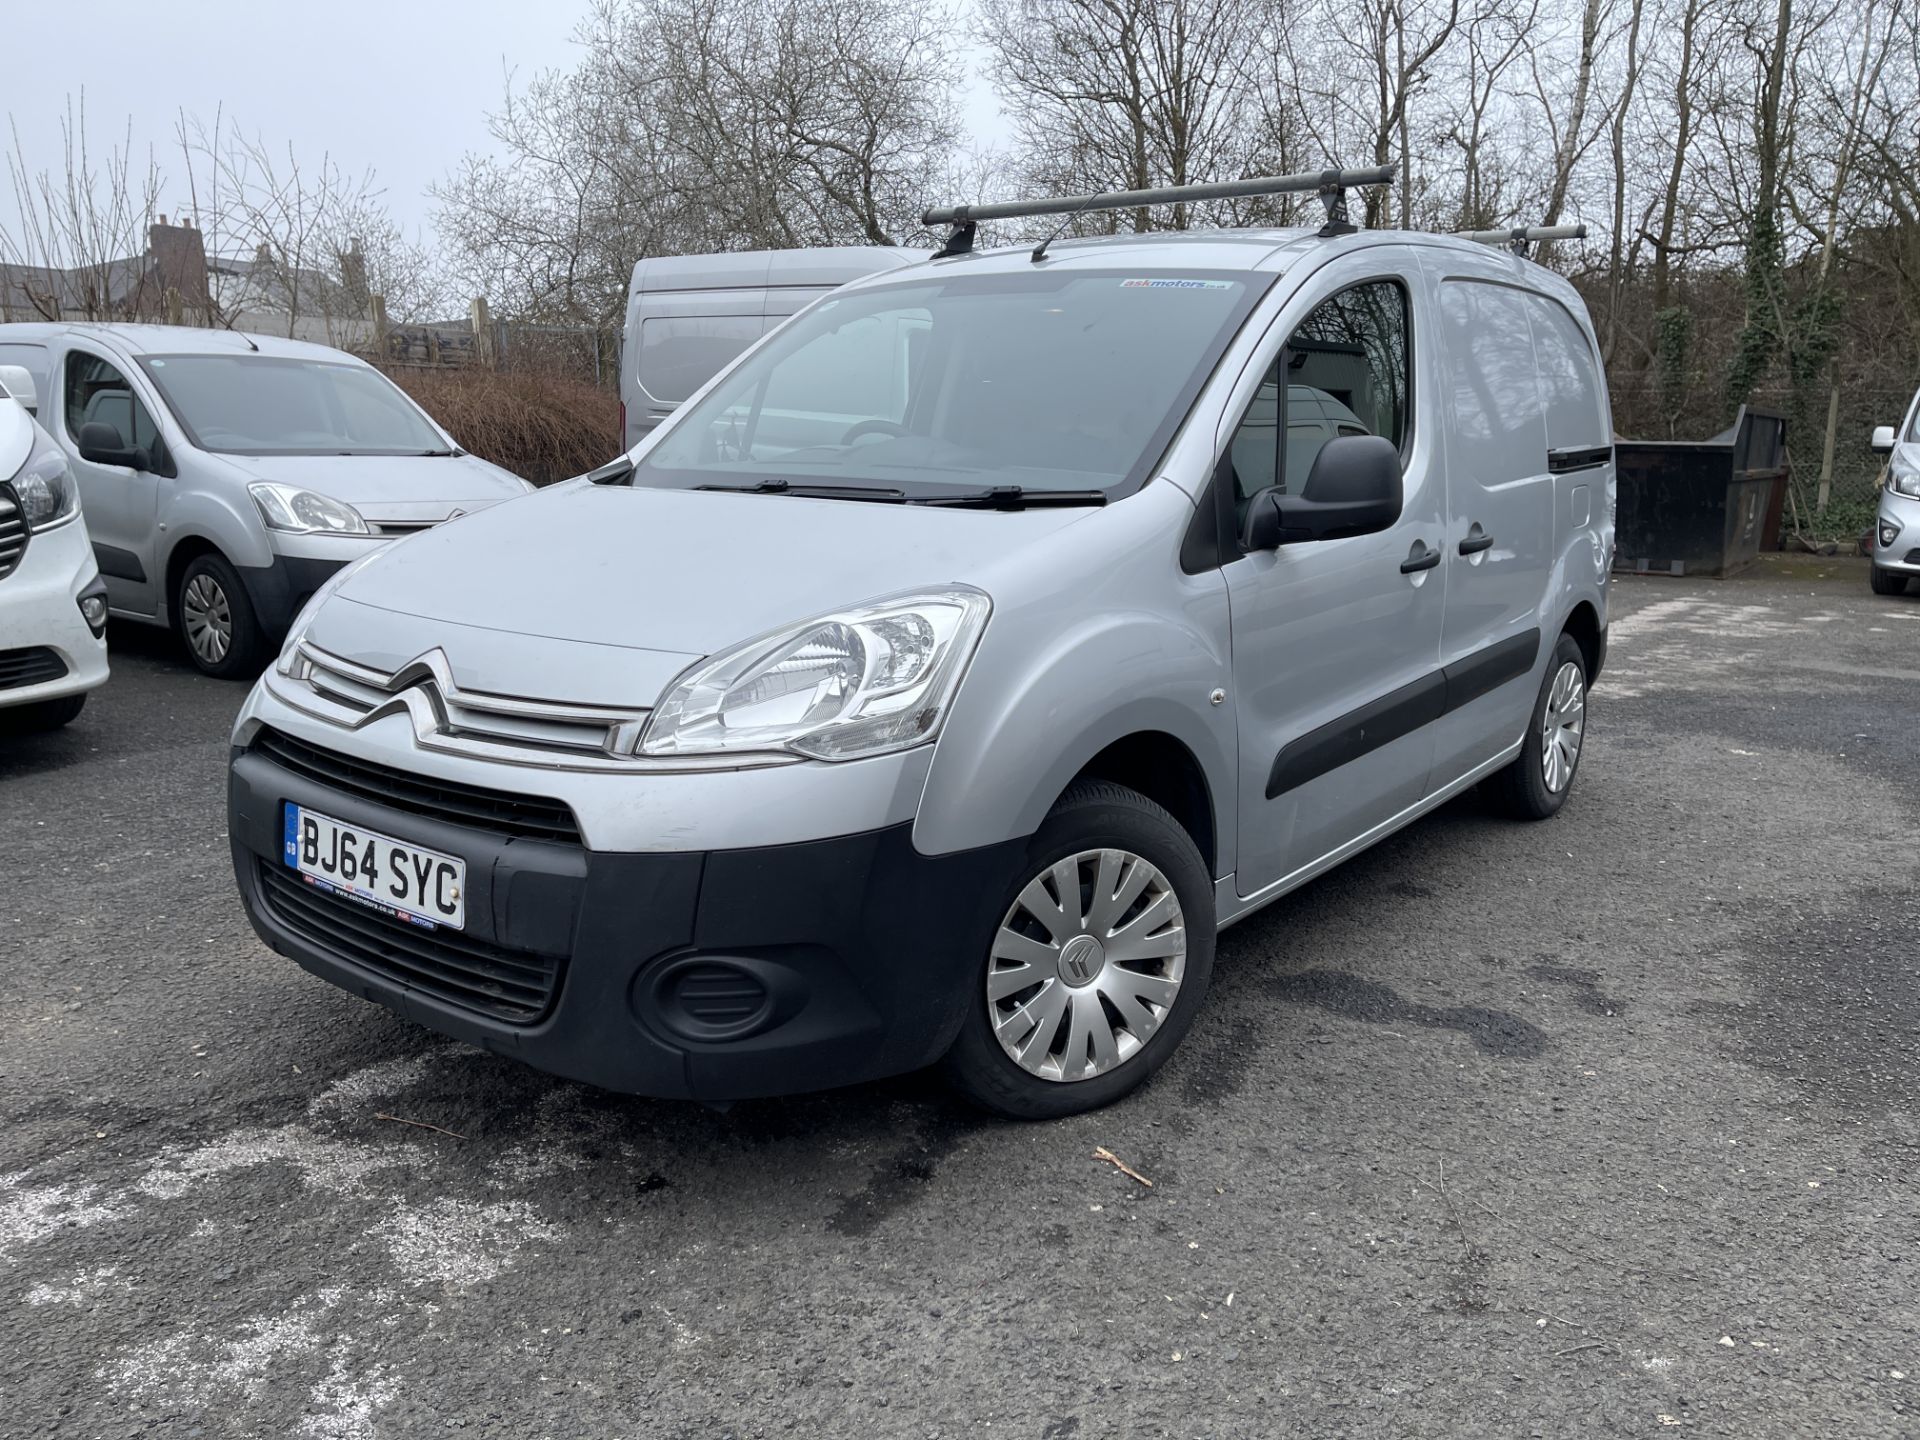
1086 965
1560 730
208 618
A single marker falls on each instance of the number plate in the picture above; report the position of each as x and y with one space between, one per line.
421 887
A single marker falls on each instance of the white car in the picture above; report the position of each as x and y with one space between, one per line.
1896 529
53 606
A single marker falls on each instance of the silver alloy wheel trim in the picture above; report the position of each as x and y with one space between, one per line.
1087 997
1563 727
207 617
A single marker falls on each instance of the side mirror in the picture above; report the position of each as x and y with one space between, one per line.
101 444
17 383
1882 441
1354 488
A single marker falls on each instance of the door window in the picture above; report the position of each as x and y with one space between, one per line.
97 393
1346 373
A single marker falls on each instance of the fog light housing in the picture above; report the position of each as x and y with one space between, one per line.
1889 532
93 607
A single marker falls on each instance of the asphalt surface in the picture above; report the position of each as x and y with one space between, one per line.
1601 1126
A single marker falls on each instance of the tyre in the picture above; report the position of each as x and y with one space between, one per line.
213 616
1098 964
1886 582
1535 785
41 715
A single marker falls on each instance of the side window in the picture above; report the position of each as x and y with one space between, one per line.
95 392
679 354
1492 383
1347 373
1569 378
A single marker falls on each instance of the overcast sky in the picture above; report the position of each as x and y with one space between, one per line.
403 86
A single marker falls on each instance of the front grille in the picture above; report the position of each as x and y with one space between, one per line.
525 817
13 532
509 985
401 527
33 666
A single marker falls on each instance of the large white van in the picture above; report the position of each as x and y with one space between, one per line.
689 315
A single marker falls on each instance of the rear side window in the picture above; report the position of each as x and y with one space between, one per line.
1346 373
1491 386
1569 379
96 393
679 354
33 359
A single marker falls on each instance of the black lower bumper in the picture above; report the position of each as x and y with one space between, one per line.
715 976
279 590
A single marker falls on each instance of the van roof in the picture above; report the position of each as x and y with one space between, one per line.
1271 250
138 339
824 266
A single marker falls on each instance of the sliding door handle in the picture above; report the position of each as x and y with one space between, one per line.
1476 540
1419 558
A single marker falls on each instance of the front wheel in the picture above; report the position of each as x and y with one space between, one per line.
213 615
1098 965
42 715
1535 785
1885 581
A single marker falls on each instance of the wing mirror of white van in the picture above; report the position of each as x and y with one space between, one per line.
1354 488
101 444
1882 441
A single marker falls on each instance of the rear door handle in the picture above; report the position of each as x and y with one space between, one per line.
1419 558
1476 540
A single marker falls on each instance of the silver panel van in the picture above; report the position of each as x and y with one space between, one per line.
224 476
936 683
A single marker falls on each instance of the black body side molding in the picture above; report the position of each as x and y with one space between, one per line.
121 564
1401 712
1560 462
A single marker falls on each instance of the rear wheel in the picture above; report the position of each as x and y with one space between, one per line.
1887 582
1099 962
214 618
42 715
1535 785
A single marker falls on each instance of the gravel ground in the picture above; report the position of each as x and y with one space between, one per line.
1603 1126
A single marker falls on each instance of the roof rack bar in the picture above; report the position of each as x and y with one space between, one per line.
1319 181
1519 237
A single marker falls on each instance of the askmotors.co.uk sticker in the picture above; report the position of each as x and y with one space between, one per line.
1176 284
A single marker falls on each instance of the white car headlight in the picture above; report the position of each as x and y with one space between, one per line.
48 496
287 507
864 681
1903 479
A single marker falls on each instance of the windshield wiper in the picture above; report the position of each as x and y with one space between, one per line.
1014 497
812 492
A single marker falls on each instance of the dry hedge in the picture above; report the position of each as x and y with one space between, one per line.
541 427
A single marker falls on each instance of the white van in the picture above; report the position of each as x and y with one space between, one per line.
53 606
689 315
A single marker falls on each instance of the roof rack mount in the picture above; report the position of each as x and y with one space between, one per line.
1519 237
1330 185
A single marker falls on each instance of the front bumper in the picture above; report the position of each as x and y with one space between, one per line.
40 608
1903 555
713 975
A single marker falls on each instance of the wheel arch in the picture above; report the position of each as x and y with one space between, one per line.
1583 624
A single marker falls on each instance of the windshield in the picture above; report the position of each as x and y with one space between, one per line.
272 405
1061 380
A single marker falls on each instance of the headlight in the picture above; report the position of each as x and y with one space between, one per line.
1903 479
287 507
45 486
861 682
